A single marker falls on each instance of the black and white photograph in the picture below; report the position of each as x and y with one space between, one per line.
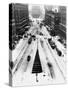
37 44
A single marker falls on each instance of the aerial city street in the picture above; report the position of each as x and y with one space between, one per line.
37 44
